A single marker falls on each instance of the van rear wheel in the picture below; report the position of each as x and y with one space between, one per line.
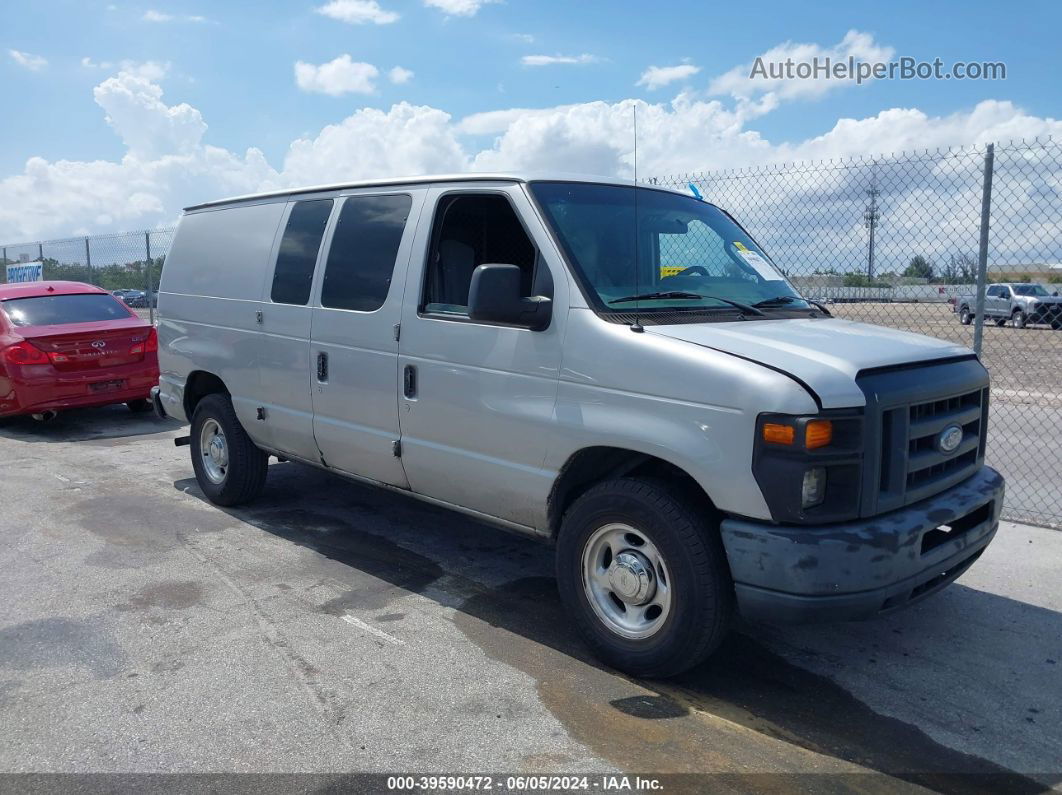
228 466
643 573
965 317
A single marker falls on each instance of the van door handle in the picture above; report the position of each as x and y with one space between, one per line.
322 366
409 381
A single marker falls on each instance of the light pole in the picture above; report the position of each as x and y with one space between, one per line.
870 221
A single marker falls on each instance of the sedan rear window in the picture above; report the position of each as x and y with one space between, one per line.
55 310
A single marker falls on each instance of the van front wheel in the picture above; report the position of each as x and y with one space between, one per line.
643 573
228 466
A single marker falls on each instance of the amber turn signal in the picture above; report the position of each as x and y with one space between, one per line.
818 433
777 433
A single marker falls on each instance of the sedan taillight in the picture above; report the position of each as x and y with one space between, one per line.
149 345
24 353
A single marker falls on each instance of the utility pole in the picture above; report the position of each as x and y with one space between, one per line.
870 221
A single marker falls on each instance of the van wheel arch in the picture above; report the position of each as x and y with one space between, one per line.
592 465
198 385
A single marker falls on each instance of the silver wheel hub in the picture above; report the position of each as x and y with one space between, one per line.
631 578
626 581
215 451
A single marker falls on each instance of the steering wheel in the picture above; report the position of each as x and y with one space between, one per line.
698 269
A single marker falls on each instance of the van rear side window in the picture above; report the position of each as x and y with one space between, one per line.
365 244
298 251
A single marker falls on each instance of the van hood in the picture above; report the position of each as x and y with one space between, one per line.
826 355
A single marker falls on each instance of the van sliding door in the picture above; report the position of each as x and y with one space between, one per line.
354 344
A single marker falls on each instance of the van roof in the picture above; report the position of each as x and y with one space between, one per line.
421 180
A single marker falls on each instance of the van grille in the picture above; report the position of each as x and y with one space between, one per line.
905 423
926 464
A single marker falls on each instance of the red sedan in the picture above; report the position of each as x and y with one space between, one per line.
65 345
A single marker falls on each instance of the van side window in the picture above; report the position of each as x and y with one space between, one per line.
471 230
361 260
298 251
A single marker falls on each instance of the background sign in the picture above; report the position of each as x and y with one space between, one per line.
25 272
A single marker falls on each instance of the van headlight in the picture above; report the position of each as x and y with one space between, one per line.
809 468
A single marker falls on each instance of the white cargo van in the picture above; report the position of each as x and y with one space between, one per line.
622 371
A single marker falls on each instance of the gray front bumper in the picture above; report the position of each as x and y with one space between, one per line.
855 570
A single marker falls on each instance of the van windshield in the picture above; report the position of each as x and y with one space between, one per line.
690 255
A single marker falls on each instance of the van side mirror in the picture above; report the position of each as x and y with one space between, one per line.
494 297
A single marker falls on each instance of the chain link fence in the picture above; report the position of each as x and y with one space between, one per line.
128 261
902 240
899 240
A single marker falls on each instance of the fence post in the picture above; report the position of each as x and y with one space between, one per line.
982 253
147 278
40 251
88 260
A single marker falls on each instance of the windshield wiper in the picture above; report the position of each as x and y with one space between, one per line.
678 295
777 300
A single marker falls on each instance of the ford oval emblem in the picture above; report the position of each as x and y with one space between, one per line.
949 439
99 344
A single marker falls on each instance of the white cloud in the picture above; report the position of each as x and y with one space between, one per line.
459 8
494 122
168 164
658 76
149 127
151 15
337 77
526 38
550 60
407 139
357 12
400 75
28 60
738 83
149 70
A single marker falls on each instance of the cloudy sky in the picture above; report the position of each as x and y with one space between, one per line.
118 114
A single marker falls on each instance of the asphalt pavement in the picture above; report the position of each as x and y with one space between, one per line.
331 627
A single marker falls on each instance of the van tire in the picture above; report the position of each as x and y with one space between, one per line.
245 473
701 589
964 316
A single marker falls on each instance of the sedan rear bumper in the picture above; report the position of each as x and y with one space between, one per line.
38 389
